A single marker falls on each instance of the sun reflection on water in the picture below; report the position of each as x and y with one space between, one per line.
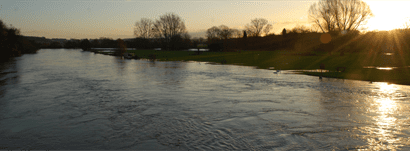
386 88
382 135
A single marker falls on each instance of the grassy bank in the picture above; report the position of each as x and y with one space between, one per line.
284 60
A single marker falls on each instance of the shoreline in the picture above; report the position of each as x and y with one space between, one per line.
281 60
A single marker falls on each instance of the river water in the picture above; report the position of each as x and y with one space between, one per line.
70 99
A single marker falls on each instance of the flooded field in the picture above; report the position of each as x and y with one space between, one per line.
70 99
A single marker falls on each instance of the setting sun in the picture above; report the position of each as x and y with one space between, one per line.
388 15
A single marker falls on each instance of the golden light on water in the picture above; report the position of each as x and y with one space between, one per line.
386 88
382 134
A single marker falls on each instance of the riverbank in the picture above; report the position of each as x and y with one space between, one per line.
376 67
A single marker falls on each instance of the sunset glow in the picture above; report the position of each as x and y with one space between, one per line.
94 19
388 15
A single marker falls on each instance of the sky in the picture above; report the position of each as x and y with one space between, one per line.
116 18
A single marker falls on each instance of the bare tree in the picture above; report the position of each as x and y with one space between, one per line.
267 29
221 32
339 15
144 28
169 25
224 32
237 33
212 33
257 26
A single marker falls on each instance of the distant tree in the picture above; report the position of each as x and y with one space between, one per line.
8 41
339 15
300 30
212 33
95 43
224 32
167 26
12 44
85 45
107 42
142 43
237 33
257 27
121 47
177 42
221 32
267 29
284 32
55 45
245 35
201 40
73 43
144 28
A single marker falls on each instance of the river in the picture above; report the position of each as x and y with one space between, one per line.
70 99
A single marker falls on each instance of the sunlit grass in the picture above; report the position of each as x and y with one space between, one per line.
354 63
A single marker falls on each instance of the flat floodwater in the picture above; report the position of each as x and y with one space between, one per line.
70 99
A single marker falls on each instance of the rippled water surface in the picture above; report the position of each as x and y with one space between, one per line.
69 99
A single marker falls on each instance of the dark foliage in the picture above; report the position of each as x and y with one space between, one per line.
108 43
142 43
74 43
217 46
121 47
85 45
178 43
12 44
55 45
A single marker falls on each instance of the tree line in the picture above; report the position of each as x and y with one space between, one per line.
12 44
336 17
341 19
168 32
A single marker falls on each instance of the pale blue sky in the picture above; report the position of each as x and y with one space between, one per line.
116 18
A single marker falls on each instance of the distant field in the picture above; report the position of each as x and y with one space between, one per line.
283 60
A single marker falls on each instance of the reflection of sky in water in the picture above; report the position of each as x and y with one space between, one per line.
195 105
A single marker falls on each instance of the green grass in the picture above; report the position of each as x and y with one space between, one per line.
354 62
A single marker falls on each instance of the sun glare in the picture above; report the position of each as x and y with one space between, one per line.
386 88
388 15
382 129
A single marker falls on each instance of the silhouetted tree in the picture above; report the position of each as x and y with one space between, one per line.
12 44
212 33
237 33
284 32
216 46
85 45
245 35
95 43
224 32
167 26
339 15
121 47
107 42
267 29
221 32
144 28
257 27
55 45
142 43
300 30
73 43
